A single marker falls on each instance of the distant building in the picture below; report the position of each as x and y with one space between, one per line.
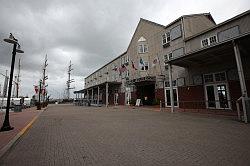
200 55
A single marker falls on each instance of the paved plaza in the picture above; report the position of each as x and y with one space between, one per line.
99 136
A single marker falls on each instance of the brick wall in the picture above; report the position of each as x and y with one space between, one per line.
191 97
159 94
235 91
133 95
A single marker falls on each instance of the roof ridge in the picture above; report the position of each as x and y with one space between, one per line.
143 19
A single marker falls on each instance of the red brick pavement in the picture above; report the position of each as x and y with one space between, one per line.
18 120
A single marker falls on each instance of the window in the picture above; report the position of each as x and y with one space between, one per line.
209 41
220 76
208 78
145 66
170 56
204 42
212 40
165 38
175 32
142 48
215 77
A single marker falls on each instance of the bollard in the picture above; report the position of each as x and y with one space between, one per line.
160 106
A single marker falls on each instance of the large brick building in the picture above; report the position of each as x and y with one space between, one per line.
191 63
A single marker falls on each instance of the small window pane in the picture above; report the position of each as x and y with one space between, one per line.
204 42
213 40
168 37
208 78
220 76
164 40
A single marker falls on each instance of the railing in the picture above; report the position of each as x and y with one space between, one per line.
242 102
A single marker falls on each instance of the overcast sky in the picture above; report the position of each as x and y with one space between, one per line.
90 33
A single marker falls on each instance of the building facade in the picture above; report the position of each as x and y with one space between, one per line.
191 63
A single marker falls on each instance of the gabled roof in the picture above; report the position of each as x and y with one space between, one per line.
155 24
141 19
191 15
218 25
147 21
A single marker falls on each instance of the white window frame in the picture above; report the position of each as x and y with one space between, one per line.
215 84
143 67
208 41
213 75
142 48
212 43
166 37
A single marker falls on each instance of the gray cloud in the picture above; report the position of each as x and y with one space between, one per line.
89 33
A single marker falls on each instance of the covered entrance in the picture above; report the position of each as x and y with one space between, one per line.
145 89
146 93
218 78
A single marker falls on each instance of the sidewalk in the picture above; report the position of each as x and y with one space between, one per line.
20 121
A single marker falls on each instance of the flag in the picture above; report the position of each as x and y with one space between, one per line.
115 68
122 69
133 65
155 61
141 62
36 89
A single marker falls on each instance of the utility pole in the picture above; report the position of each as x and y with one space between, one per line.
18 78
45 77
68 83
39 95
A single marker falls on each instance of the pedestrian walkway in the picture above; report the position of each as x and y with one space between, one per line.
66 135
19 120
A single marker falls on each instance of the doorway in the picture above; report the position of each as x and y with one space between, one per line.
217 96
168 98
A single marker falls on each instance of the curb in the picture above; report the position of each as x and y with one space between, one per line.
21 133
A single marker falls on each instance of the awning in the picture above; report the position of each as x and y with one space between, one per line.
211 55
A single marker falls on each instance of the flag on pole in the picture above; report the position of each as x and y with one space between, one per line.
141 62
133 65
115 68
36 89
122 68
155 61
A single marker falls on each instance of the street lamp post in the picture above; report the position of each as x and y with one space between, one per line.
16 48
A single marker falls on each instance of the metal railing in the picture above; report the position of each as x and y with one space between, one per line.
241 103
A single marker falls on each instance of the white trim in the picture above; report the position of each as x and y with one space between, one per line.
208 41
217 104
174 88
